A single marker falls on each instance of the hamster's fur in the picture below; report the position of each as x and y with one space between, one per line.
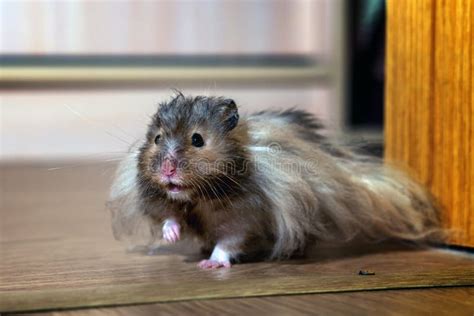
263 186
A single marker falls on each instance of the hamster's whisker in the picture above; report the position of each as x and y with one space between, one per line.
208 196
223 173
225 194
96 125
85 163
220 172
195 184
210 185
213 190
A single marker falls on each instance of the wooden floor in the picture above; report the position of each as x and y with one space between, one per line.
438 301
57 251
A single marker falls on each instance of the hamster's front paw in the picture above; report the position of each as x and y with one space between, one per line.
171 231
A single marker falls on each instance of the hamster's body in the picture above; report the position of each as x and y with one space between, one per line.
263 186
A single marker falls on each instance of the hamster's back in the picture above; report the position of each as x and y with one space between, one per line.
328 192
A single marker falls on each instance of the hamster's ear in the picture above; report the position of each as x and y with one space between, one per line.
230 114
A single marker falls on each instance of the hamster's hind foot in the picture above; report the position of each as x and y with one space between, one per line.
213 264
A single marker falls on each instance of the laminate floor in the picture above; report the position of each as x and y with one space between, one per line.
57 251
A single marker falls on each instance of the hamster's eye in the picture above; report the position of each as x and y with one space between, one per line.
157 139
197 140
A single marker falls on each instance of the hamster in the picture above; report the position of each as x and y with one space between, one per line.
259 187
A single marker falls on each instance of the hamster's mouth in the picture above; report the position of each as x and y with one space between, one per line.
175 188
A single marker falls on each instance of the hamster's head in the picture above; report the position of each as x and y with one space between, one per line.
193 149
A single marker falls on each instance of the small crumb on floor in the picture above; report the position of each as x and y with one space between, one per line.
366 272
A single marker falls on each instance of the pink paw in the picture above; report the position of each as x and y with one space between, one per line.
171 231
214 264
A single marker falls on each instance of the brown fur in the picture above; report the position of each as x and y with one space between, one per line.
271 185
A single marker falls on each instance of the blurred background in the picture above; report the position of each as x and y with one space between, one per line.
79 79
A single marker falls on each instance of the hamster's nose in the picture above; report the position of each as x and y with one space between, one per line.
168 168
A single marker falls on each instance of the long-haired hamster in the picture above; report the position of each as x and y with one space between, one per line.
263 186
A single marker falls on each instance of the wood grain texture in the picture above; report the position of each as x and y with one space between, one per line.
57 251
440 301
429 103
